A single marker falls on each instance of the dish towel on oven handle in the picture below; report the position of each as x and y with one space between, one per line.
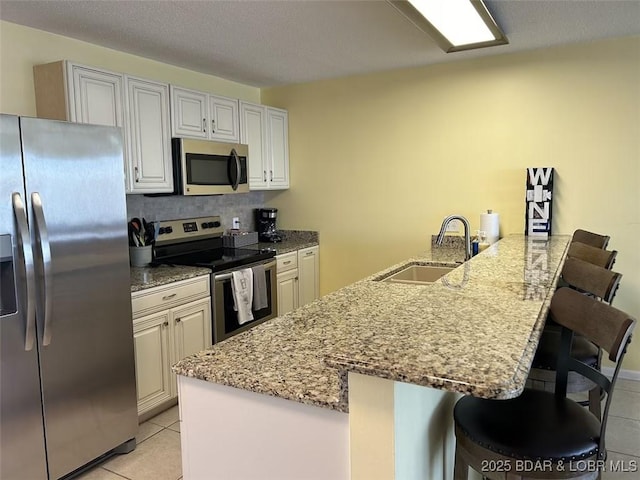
260 299
242 288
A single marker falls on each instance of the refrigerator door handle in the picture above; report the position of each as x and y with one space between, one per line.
42 239
20 212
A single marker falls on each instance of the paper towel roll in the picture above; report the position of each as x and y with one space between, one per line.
490 223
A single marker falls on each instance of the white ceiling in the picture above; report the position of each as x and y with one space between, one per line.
266 43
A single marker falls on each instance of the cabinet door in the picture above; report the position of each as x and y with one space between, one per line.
308 273
149 136
192 328
189 117
287 291
253 132
95 97
278 135
152 346
223 114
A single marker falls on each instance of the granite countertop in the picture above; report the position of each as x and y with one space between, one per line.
292 240
147 277
474 331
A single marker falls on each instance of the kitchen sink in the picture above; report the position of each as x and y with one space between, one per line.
416 273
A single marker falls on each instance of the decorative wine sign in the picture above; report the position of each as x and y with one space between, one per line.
538 202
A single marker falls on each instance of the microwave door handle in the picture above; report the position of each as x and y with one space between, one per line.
236 159
42 241
20 212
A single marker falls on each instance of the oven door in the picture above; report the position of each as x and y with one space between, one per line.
210 168
225 318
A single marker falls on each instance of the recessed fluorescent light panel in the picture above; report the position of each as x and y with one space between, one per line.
455 25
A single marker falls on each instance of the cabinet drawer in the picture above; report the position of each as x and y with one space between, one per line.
287 261
160 298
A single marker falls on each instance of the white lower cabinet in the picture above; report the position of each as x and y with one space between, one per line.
163 336
287 291
308 275
298 278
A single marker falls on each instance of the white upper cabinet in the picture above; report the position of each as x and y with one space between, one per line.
189 113
201 115
266 131
223 114
278 139
83 94
253 133
95 96
149 136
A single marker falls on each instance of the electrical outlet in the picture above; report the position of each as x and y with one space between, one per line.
454 226
236 223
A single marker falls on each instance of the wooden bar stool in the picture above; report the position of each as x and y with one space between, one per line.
543 434
589 238
600 283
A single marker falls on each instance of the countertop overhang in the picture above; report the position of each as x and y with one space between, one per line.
474 331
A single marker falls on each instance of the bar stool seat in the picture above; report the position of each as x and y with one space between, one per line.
553 429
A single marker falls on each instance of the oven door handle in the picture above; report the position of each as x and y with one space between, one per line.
227 276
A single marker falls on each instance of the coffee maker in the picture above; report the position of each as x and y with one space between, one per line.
266 224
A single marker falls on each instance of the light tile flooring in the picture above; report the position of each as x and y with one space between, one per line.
157 456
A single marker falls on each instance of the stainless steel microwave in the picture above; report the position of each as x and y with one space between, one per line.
202 167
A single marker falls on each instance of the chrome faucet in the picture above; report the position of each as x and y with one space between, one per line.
467 235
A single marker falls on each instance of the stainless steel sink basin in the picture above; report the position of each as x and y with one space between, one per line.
418 274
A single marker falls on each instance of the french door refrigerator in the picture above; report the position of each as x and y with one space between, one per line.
67 377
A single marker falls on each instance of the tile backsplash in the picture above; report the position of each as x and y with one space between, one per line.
241 205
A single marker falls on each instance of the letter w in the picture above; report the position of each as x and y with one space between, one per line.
537 174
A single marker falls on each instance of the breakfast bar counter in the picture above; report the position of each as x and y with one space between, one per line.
366 352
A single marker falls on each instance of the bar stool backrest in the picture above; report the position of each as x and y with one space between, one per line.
604 325
589 278
597 256
590 238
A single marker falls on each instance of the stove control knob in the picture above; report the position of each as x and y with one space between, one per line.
205 225
161 231
168 230
215 224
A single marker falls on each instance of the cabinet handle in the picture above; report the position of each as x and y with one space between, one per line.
168 297
204 125
265 175
165 324
287 262
135 169
177 320
271 173
308 253
213 126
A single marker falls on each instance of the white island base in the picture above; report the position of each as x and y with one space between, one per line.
393 431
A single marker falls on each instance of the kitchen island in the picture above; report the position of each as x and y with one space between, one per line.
361 383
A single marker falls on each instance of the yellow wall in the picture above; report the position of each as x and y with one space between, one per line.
378 161
21 48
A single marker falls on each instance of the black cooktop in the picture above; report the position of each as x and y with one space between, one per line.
219 259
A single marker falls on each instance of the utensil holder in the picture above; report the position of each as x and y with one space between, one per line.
141 256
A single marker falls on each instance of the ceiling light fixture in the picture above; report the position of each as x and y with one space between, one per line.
455 25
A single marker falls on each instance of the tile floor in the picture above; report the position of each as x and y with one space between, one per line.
157 456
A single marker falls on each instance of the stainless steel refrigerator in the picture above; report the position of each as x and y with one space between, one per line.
67 377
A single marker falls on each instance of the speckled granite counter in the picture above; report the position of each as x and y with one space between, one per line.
147 277
292 240
475 331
